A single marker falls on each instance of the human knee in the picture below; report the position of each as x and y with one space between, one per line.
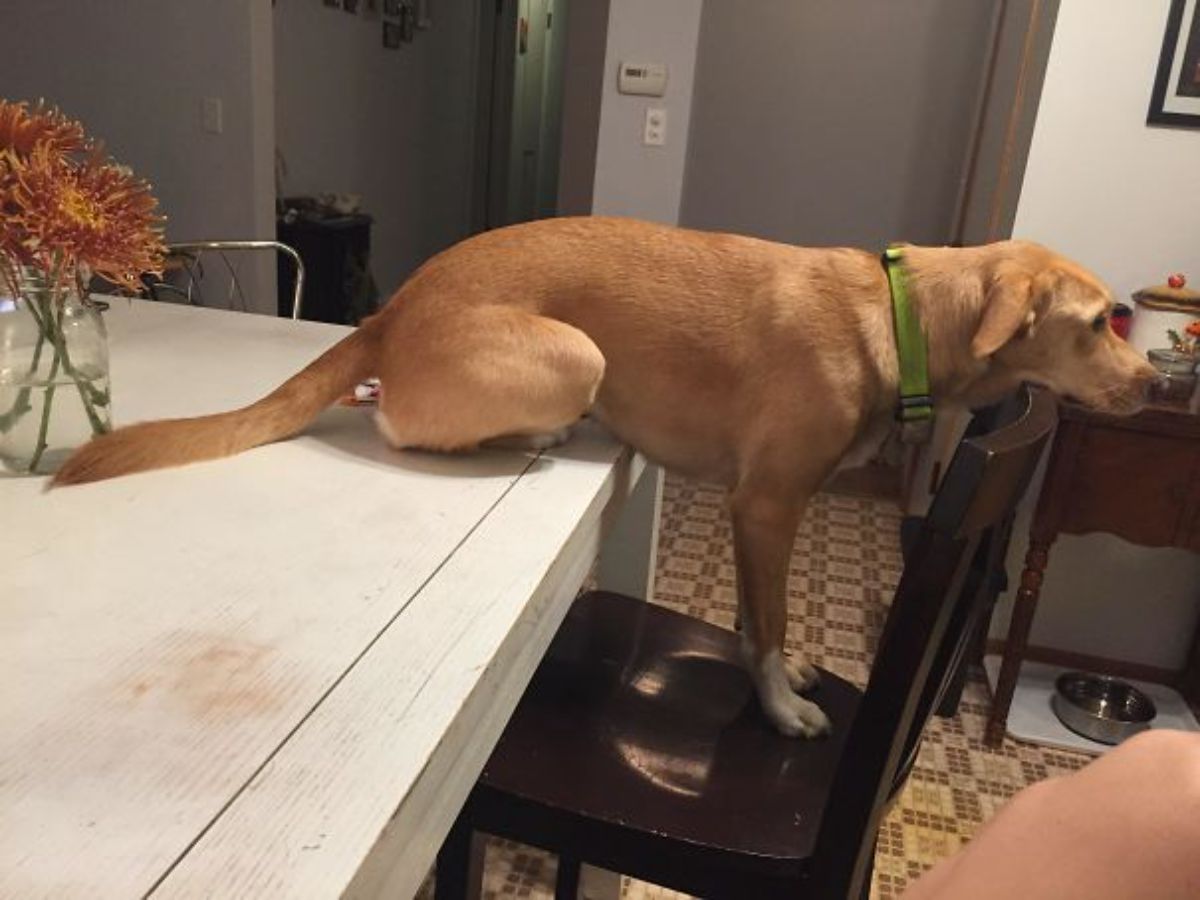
1165 745
1171 756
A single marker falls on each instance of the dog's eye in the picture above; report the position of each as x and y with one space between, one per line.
1100 322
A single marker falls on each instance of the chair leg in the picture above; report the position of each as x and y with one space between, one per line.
868 876
460 864
948 706
566 882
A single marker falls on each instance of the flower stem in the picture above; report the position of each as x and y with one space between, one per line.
52 326
44 427
22 405
46 302
85 388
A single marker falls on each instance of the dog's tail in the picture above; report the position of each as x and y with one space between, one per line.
282 413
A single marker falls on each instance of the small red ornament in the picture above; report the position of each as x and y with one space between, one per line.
1177 280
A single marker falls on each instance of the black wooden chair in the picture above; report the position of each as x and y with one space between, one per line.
640 747
987 577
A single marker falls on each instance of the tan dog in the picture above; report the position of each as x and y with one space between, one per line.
754 364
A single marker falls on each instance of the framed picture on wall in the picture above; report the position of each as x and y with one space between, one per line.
424 13
1176 96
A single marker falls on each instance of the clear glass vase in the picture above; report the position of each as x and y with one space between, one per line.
54 382
1177 375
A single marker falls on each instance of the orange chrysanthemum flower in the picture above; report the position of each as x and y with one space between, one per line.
66 209
11 232
94 213
22 130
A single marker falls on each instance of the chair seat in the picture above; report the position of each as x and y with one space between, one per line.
639 714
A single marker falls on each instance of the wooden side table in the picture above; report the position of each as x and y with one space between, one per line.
1089 488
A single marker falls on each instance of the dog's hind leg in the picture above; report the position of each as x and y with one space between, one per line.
453 382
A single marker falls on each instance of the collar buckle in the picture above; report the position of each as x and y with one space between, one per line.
915 417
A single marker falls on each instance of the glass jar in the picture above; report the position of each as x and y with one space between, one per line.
54 377
1178 375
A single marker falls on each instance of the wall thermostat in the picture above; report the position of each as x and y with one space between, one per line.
647 79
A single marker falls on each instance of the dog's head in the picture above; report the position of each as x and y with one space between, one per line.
1045 320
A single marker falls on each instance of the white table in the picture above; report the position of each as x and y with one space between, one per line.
277 674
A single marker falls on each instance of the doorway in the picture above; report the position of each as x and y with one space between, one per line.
522 54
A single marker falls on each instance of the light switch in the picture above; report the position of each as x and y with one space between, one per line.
213 117
655 134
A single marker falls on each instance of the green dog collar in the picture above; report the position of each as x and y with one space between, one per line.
915 410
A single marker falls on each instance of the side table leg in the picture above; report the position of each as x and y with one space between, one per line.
1018 640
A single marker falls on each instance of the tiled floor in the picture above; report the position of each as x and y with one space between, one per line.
847 560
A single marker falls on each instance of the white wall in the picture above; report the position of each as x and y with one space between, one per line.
1121 198
1100 185
396 126
632 179
135 73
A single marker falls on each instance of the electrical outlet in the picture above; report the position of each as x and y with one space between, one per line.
213 116
655 133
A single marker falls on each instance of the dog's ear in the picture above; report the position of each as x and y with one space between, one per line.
1007 311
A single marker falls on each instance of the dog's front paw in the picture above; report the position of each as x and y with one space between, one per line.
801 674
790 713
796 717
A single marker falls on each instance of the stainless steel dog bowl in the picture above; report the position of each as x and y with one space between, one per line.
1104 709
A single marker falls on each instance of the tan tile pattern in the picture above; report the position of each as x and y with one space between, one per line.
846 563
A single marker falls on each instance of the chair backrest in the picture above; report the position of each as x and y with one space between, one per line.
187 280
980 587
925 631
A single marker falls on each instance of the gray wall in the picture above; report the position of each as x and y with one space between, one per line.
631 178
586 36
396 126
135 73
834 123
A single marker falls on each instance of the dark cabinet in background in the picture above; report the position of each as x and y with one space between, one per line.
336 251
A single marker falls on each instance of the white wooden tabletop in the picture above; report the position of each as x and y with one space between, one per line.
277 674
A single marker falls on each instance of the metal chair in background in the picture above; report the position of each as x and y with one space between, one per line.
184 262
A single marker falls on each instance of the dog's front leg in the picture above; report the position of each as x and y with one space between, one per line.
764 530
